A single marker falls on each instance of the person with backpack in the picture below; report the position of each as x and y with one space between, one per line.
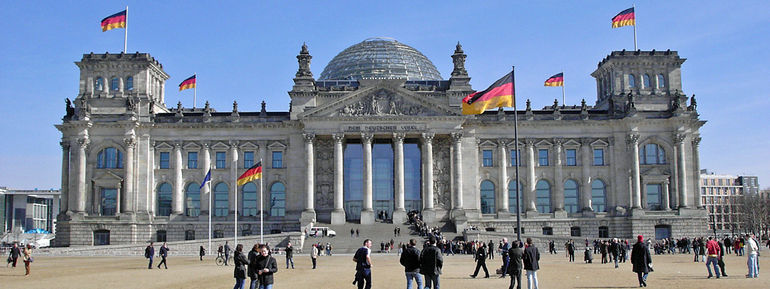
149 252
363 261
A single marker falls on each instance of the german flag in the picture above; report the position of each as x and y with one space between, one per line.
499 94
253 173
624 18
117 20
187 83
556 80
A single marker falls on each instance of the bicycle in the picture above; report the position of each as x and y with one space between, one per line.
220 260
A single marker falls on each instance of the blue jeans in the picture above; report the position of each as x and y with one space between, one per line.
289 260
268 286
417 278
752 263
254 283
713 262
434 279
507 259
238 283
532 279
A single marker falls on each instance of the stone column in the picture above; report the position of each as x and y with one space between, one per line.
206 165
665 196
530 196
458 173
338 214
585 192
428 213
235 192
399 215
502 191
558 183
80 194
682 162
177 197
65 175
636 191
696 161
367 213
308 215
127 195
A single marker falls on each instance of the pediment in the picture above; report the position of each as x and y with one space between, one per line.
163 146
487 144
599 143
571 143
248 146
220 146
655 171
106 177
381 101
543 143
191 146
277 146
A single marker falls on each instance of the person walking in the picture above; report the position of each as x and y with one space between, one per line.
431 263
504 254
251 271
531 260
163 253
14 254
721 262
202 252
363 261
266 266
239 272
571 250
615 251
713 255
515 265
351 233
290 255
491 250
149 252
227 253
410 259
314 254
27 257
641 260
752 252
481 261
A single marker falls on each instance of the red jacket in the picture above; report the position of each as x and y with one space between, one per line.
712 247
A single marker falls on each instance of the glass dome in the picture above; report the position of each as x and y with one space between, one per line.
380 58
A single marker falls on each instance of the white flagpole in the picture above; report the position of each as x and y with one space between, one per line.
261 201
563 98
125 34
195 90
210 212
635 21
236 212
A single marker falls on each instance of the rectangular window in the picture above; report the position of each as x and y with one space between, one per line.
164 160
547 231
192 160
109 202
221 158
542 157
598 157
653 196
486 156
248 159
277 159
515 158
571 157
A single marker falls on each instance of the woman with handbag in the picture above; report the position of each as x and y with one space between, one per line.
27 252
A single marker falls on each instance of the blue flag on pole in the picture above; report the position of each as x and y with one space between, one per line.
206 179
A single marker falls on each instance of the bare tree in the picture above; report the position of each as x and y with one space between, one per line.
754 214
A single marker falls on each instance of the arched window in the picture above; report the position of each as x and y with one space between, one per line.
220 200
278 200
129 83
512 196
571 196
646 83
487 197
652 154
598 196
249 199
661 81
115 84
109 158
99 84
192 200
543 193
631 81
164 199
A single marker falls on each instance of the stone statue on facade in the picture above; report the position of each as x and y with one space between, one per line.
303 59
458 58
69 109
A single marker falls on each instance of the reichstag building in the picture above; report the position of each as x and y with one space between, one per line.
379 134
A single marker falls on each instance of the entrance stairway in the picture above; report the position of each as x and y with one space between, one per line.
379 232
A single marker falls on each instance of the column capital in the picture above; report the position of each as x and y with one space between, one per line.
83 142
366 138
557 142
399 137
178 145
696 141
632 139
233 143
309 137
338 137
457 136
64 144
586 141
530 142
502 142
679 138
206 145
130 142
428 136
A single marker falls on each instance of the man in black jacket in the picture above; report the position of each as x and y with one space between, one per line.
531 260
227 253
163 254
363 261
410 259
290 255
266 266
15 252
252 270
431 262
481 261
641 260
149 252
515 264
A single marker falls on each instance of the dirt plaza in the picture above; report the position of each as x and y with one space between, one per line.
671 271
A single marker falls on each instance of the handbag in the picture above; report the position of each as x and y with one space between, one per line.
649 266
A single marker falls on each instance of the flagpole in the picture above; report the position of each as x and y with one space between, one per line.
125 34
195 90
210 212
261 206
236 209
518 155
563 98
635 20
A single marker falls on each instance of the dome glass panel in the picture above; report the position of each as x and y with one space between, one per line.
380 58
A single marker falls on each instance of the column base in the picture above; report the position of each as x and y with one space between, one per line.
399 216
503 214
128 216
560 214
637 212
338 217
459 219
532 214
429 216
367 217
457 213
307 217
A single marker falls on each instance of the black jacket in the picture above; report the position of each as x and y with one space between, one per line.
252 270
640 257
431 261
410 259
531 258
240 265
481 256
515 264
15 252
266 262
289 252
149 252
163 252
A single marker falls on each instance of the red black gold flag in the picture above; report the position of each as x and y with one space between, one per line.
556 80
187 83
624 18
499 94
117 20
253 173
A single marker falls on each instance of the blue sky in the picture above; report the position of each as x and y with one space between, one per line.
246 52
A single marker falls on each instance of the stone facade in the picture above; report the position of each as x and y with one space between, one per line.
127 166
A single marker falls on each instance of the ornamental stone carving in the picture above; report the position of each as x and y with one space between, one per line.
309 137
632 139
679 138
441 172
381 103
324 173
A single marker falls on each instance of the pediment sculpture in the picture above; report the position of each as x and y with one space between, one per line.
381 103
